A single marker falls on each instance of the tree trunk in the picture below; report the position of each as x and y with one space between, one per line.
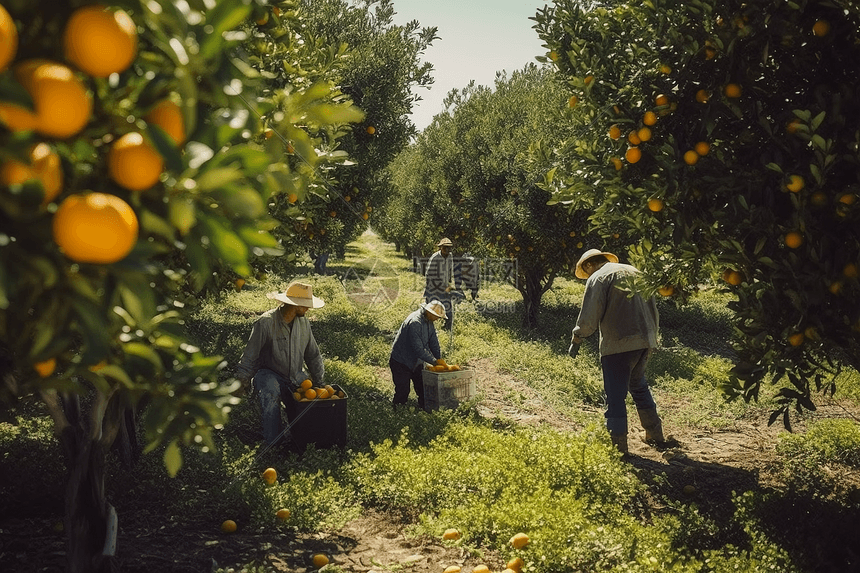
532 290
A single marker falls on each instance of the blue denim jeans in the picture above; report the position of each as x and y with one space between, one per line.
623 373
402 377
270 386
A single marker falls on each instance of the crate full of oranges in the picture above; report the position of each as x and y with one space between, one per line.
307 392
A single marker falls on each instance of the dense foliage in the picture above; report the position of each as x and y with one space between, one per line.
717 137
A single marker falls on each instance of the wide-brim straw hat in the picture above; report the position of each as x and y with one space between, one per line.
446 242
298 294
435 308
581 274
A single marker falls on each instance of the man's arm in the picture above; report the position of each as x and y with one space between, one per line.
314 360
250 361
593 306
419 349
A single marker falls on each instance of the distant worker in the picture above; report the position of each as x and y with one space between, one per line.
628 327
439 279
466 275
281 344
414 345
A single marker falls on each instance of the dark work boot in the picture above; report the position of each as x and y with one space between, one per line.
653 426
620 442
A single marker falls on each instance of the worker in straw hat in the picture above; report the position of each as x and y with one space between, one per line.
439 279
414 344
281 344
627 328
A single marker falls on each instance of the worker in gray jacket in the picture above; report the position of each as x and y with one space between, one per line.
414 344
627 328
281 344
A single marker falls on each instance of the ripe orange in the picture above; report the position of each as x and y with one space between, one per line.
44 167
655 204
616 162
306 384
793 239
848 199
572 101
691 157
270 476
167 115
650 118
791 126
332 214
519 540
633 137
702 96
292 197
229 526
835 287
310 393
733 91
297 396
851 271
452 569
821 28
633 155
365 216
666 290
702 148
100 41
319 560
553 55
733 277
370 129
644 134
8 39
46 367
239 283
588 79
322 393
795 183
796 339
661 100
710 52
614 132
481 569
664 69
95 228
283 514
133 163
61 104
451 534
516 564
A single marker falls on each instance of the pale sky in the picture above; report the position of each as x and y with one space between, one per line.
477 38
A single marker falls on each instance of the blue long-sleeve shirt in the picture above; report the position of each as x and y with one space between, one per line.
416 341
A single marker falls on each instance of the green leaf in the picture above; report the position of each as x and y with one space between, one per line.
218 178
172 458
181 212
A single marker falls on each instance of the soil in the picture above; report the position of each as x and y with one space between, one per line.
698 465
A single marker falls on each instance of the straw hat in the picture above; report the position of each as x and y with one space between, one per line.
446 242
298 294
435 308
581 274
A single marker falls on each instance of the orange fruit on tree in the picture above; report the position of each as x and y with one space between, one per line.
821 28
733 277
633 154
61 104
100 41
851 271
633 137
319 560
133 163
796 339
667 290
702 148
616 162
848 199
791 126
282 514
661 100
95 228
519 540
229 526
370 129
644 134
732 91
365 216
8 39
650 118
167 115
308 383
655 204
664 69
835 287
795 183
240 282
46 367
270 476
572 101
702 96
588 79
292 197
614 132
451 534
793 239
44 167
691 157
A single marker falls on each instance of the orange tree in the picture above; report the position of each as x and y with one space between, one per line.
474 175
724 139
128 174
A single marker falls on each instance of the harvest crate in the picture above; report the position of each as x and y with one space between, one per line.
447 389
318 422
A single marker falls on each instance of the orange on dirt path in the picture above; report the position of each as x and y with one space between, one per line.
519 540
167 115
100 41
95 228
451 534
270 476
481 569
8 39
320 560
516 564
228 526
44 167
133 163
283 514
61 104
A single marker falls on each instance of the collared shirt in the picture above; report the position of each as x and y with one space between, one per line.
625 322
416 341
283 348
439 276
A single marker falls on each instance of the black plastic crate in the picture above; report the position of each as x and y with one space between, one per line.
318 422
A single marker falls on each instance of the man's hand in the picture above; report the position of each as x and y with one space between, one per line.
440 361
